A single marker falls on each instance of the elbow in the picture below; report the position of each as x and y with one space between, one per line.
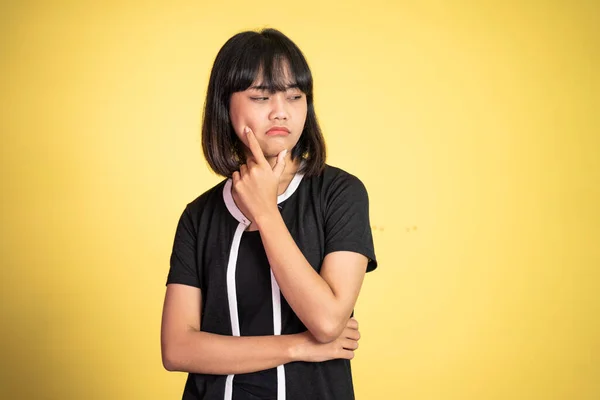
327 331
169 362
323 337
169 365
170 358
176 351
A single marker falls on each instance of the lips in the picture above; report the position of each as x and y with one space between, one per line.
278 131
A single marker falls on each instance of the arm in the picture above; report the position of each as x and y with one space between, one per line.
322 302
186 348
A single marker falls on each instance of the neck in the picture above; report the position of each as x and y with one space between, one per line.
291 167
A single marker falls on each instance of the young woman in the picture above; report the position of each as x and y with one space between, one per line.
266 266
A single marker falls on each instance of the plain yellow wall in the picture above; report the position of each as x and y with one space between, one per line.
474 125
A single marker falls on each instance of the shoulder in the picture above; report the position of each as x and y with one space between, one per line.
336 180
206 201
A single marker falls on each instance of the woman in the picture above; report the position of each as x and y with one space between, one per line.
266 266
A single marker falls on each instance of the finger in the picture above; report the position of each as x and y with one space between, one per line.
251 162
347 354
255 147
235 177
352 334
352 323
243 170
280 163
350 344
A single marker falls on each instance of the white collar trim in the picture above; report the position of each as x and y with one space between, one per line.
237 213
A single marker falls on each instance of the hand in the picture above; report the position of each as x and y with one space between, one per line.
255 184
343 347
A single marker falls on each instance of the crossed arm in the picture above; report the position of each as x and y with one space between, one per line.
186 348
322 302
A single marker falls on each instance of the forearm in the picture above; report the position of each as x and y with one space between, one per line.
309 295
208 353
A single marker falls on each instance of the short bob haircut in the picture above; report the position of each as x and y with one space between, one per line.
237 65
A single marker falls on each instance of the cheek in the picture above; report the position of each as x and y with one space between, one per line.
301 116
237 113
242 116
234 113
236 122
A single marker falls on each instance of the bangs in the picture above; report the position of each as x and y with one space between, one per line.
270 63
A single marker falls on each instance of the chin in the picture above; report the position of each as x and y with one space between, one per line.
273 151
272 155
275 147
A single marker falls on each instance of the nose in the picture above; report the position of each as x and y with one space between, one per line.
279 107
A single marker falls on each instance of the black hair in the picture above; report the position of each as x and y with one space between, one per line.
237 65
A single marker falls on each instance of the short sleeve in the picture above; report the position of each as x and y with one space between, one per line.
347 225
184 267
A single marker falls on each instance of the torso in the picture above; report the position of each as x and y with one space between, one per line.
251 293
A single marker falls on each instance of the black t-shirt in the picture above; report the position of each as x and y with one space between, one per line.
214 252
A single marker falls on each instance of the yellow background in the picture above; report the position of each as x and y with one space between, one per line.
474 125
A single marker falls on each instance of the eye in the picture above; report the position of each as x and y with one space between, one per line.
259 98
296 97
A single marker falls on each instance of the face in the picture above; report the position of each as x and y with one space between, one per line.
277 119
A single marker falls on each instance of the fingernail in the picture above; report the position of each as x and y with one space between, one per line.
246 130
285 152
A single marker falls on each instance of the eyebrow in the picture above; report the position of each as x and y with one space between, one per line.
264 87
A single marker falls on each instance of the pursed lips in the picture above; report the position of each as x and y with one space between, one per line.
278 130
